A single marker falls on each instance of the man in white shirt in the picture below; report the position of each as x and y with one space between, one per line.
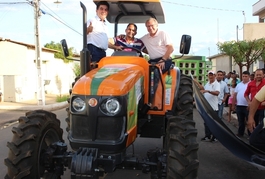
210 91
158 45
97 32
224 92
241 103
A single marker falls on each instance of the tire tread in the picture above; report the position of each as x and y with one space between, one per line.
182 147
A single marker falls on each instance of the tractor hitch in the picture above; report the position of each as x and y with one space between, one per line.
88 163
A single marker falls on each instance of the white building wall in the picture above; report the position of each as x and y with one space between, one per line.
19 61
60 75
12 58
254 31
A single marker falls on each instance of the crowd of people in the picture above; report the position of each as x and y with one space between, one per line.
245 97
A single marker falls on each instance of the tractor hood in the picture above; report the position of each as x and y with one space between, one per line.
111 80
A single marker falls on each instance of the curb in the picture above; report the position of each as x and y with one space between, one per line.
49 107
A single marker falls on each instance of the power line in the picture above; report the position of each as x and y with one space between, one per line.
44 12
51 10
12 3
59 19
202 7
7 8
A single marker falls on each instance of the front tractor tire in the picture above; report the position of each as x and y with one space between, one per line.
181 144
33 135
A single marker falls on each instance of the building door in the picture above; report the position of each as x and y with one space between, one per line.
9 88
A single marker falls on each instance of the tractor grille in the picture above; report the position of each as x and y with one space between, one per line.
110 128
105 128
81 127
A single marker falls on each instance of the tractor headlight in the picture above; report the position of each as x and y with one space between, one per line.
111 107
78 104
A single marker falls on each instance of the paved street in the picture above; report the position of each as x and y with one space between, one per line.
215 160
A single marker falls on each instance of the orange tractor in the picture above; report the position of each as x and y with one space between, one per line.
109 109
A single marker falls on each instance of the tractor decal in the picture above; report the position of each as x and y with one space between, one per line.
168 81
134 96
101 75
139 89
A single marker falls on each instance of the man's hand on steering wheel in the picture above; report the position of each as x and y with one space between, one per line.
161 64
119 48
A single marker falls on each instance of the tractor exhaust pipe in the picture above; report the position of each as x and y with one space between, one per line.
85 58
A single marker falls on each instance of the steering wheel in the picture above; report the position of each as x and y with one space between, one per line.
135 49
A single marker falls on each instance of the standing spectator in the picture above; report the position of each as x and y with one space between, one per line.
223 93
252 76
227 80
241 103
97 32
224 75
230 100
210 91
252 89
234 76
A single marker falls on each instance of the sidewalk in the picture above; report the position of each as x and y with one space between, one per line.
50 104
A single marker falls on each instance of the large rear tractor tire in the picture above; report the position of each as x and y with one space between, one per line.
33 135
181 144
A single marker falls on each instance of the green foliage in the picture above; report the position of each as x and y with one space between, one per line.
58 47
62 98
244 52
76 69
146 57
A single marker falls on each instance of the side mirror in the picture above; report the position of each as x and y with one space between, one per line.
64 48
185 44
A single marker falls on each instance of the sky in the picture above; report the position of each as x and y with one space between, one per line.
207 21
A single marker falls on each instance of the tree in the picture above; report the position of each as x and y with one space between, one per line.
59 54
76 69
244 52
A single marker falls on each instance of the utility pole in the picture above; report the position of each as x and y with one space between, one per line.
40 84
218 34
237 33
